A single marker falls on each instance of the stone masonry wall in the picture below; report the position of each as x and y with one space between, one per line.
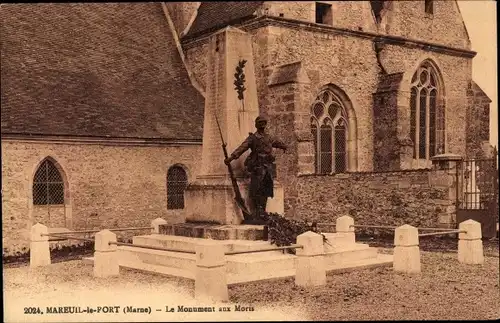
281 116
350 63
456 74
385 112
109 186
392 198
299 10
401 18
325 56
445 26
478 121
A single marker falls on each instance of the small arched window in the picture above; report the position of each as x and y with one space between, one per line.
329 129
427 117
48 185
176 184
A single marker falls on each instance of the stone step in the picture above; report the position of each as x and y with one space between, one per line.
214 231
244 263
189 244
349 256
167 241
184 261
342 256
262 275
150 268
253 264
339 240
382 260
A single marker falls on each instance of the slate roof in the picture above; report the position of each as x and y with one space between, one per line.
218 14
94 69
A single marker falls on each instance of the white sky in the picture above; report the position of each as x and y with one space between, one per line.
480 20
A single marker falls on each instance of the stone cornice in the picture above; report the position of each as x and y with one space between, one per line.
264 21
105 141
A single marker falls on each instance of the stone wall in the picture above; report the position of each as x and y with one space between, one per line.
325 57
281 115
385 113
445 26
300 10
478 121
407 19
456 73
107 186
419 198
350 62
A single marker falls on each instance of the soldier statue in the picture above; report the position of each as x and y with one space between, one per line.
260 166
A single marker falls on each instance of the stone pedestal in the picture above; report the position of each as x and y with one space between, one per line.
213 201
211 197
210 273
406 250
470 245
106 262
344 225
39 246
310 265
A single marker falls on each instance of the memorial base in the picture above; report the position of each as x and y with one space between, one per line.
211 200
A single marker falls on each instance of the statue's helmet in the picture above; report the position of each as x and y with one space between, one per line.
261 118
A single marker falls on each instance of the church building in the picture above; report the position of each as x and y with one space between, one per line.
102 107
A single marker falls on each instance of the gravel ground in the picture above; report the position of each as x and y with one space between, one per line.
445 290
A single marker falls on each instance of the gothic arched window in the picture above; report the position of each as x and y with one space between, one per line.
427 113
176 184
48 185
329 126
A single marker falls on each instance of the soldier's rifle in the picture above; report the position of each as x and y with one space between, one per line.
237 194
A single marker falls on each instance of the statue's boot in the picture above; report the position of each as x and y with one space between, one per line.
261 210
259 204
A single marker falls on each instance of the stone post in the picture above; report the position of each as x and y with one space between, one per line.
210 276
344 226
470 245
406 251
105 255
311 268
39 246
156 225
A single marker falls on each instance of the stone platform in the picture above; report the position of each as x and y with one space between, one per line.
214 231
341 254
